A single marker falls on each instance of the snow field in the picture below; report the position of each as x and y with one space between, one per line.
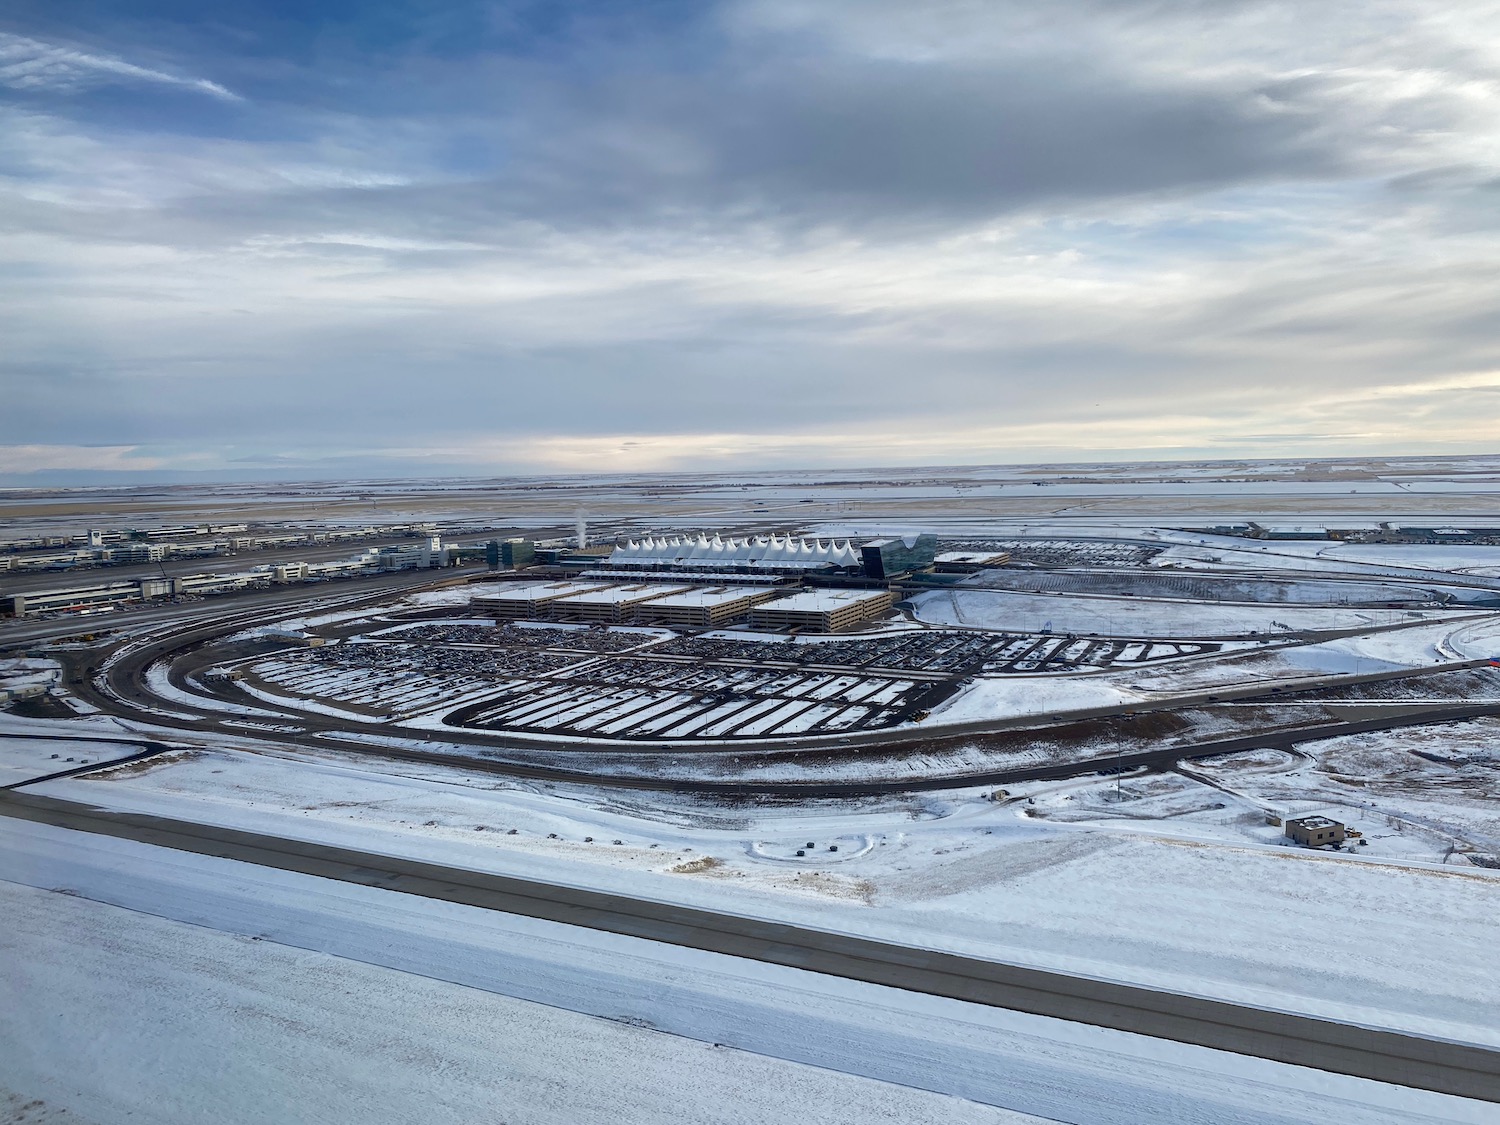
416 1020
1211 906
1133 617
24 758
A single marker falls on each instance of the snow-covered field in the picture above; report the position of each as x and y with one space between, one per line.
356 1004
1203 899
1136 617
287 998
189 1024
24 758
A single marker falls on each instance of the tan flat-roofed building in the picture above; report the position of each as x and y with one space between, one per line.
821 611
609 604
704 608
1315 831
528 600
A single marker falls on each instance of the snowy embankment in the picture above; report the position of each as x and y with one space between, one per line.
370 1004
1004 697
1478 641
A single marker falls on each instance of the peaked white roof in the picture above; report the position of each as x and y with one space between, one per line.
761 550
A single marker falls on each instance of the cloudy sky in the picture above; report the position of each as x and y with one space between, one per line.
395 237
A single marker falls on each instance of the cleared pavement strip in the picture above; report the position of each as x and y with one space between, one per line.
1417 1061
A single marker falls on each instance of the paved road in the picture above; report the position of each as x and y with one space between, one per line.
131 698
1156 759
134 699
1382 1055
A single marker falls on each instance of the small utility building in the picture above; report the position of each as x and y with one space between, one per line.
1315 831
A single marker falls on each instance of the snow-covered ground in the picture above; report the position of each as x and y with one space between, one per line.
1202 897
23 758
1000 697
1136 617
1406 562
1421 646
226 1033
1178 880
274 997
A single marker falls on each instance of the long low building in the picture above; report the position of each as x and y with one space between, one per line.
704 608
770 553
523 600
821 611
609 604
969 562
702 578
85 597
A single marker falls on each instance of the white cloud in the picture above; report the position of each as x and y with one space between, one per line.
39 458
28 64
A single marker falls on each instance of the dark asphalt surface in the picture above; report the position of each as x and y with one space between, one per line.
1381 1055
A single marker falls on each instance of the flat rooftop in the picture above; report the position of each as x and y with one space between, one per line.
820 601
971 556
622 595
698 599
535 591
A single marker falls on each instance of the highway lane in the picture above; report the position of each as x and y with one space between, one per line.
1384 1055
128 696
1163 758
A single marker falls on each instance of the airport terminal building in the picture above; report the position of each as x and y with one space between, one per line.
775 554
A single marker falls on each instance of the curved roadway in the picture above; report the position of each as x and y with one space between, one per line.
121 689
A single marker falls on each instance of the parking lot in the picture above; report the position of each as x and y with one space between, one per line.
635 683
939 651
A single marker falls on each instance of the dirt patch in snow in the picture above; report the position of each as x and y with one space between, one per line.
995 866
145 765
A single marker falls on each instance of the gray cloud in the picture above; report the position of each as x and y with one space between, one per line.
803 228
